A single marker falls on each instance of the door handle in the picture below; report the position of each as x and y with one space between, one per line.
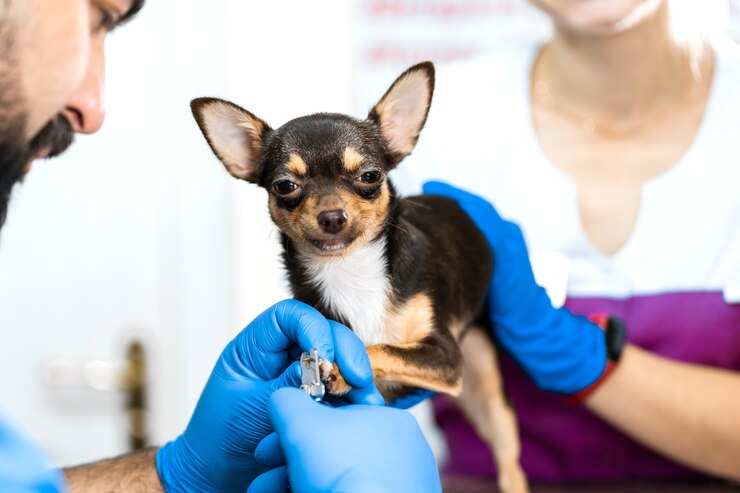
128 376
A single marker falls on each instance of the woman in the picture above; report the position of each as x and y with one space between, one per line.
612 143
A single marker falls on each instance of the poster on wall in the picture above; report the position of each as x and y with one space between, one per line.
733 20
391 35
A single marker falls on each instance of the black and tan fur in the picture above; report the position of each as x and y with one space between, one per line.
408 275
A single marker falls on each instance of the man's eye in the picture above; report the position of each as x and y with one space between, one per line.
285 187
370 177
106 20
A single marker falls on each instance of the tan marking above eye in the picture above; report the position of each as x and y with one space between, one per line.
352 159
296 165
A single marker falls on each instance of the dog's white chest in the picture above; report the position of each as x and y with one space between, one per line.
356 287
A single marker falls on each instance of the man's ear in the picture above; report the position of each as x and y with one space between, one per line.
234 134
402 112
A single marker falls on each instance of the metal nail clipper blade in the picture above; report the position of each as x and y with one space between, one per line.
311 378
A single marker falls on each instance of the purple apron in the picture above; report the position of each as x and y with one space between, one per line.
564 443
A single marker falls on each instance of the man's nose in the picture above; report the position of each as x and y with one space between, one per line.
86 109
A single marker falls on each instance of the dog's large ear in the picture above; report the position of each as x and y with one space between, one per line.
234 134
402 112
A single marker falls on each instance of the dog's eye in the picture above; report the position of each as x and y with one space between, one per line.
370 177
285 187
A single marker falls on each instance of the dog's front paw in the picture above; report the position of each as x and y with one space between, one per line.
333 380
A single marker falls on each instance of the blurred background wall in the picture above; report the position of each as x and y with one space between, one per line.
138 235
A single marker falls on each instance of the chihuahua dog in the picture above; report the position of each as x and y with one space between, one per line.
407 275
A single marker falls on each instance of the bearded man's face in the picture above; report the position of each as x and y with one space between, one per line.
52 69
17 154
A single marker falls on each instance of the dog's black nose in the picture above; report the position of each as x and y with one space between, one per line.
332 222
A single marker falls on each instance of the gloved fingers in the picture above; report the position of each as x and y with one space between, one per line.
291 377
505 237
306 326
368 395
287 323
351 356
445 189
334 401
466 200
289 410
294 353
269 453
498 231
353 362
273 481
512 243
407 401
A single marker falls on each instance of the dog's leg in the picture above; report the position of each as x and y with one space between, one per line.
433 363
484 402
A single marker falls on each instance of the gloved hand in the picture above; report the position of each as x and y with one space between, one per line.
216 451
23 467
560 352
353 449
414 398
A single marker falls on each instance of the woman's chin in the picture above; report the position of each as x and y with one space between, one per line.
598 18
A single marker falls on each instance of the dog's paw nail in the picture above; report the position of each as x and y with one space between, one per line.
325 366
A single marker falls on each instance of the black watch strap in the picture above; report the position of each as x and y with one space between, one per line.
616 336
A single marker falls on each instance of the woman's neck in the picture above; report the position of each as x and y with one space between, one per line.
619 78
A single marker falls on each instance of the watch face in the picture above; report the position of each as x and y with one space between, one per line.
616 336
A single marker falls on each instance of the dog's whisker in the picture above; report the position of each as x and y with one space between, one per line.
413 203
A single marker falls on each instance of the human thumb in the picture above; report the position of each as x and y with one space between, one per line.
289 410
291 377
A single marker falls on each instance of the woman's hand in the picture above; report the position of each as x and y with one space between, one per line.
560 352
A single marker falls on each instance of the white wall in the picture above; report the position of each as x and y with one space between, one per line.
286 58
127 234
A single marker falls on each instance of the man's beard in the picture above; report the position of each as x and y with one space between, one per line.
57 136
13 158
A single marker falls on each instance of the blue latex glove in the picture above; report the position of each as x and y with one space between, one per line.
560 352
409 401
216 452
23 467
353 449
